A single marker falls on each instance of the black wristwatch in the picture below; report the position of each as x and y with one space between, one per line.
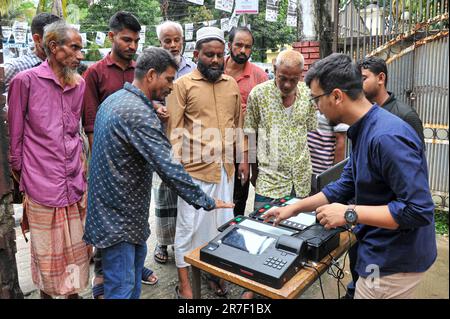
351 217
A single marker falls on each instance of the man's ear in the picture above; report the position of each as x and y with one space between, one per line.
52 45
196 54
382 78
151 75
338 96
111 35
36 38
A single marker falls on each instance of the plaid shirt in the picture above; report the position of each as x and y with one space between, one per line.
25 62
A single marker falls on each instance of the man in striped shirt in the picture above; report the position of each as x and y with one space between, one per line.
326 144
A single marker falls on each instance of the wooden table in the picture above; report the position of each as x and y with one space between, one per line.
292 289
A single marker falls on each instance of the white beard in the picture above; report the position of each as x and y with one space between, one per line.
177 59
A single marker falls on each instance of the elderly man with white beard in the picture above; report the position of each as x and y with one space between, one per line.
46 158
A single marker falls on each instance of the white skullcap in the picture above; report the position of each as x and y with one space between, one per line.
210 33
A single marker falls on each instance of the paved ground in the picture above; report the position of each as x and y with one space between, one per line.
434 285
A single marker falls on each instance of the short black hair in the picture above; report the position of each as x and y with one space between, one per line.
124 20
337 71
41 20
235 30
153 58
375 65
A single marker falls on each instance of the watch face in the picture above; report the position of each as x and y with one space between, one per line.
350 216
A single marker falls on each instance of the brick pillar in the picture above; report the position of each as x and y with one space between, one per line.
310 51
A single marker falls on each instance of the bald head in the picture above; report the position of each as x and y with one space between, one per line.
290 58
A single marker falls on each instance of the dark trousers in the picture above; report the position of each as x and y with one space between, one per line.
240 193
352 256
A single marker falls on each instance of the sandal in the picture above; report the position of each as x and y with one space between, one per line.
218 285
178 295
97 290
148 278
160 254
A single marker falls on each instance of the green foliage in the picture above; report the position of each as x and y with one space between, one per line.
268 35
147 12
93 54
24 11
441 221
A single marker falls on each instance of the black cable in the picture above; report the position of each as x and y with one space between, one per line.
318 276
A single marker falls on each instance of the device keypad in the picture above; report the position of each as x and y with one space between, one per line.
274 262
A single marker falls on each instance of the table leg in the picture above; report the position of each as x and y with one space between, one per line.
196 285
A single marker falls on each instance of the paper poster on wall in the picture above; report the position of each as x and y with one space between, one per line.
6 33
225 24
224 5
188 31
246 7
213 23
100 38
291 18
142 34
140 48
199 2
272 10
84 39
234 20
19 31
30 39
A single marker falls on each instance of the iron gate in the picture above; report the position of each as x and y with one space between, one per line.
412 36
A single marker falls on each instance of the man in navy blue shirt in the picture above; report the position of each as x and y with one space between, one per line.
129 145
386 175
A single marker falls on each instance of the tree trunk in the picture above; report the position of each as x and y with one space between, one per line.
9 279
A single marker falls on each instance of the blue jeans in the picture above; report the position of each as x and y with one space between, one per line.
122 270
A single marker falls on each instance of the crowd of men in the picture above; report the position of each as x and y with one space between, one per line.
198 133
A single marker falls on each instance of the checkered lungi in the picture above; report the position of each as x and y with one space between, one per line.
59 256
165 201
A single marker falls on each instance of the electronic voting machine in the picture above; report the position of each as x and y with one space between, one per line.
256 250
269 254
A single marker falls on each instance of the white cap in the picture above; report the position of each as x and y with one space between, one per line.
210 33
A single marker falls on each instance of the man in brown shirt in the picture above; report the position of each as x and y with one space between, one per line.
204 111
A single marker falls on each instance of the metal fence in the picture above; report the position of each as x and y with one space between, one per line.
412 36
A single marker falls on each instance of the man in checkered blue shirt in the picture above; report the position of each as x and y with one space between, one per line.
31 58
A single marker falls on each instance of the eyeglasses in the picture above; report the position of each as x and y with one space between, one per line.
313 100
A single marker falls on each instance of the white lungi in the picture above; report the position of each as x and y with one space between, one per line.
198 227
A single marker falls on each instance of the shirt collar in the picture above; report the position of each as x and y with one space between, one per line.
197 75
135 90
45 71
247 68
356 127
390 99
110 62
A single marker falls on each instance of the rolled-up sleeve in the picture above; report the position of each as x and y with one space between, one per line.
342 190
404 168
17 105
153 145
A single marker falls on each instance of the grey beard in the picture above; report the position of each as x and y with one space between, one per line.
70 75
177 59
